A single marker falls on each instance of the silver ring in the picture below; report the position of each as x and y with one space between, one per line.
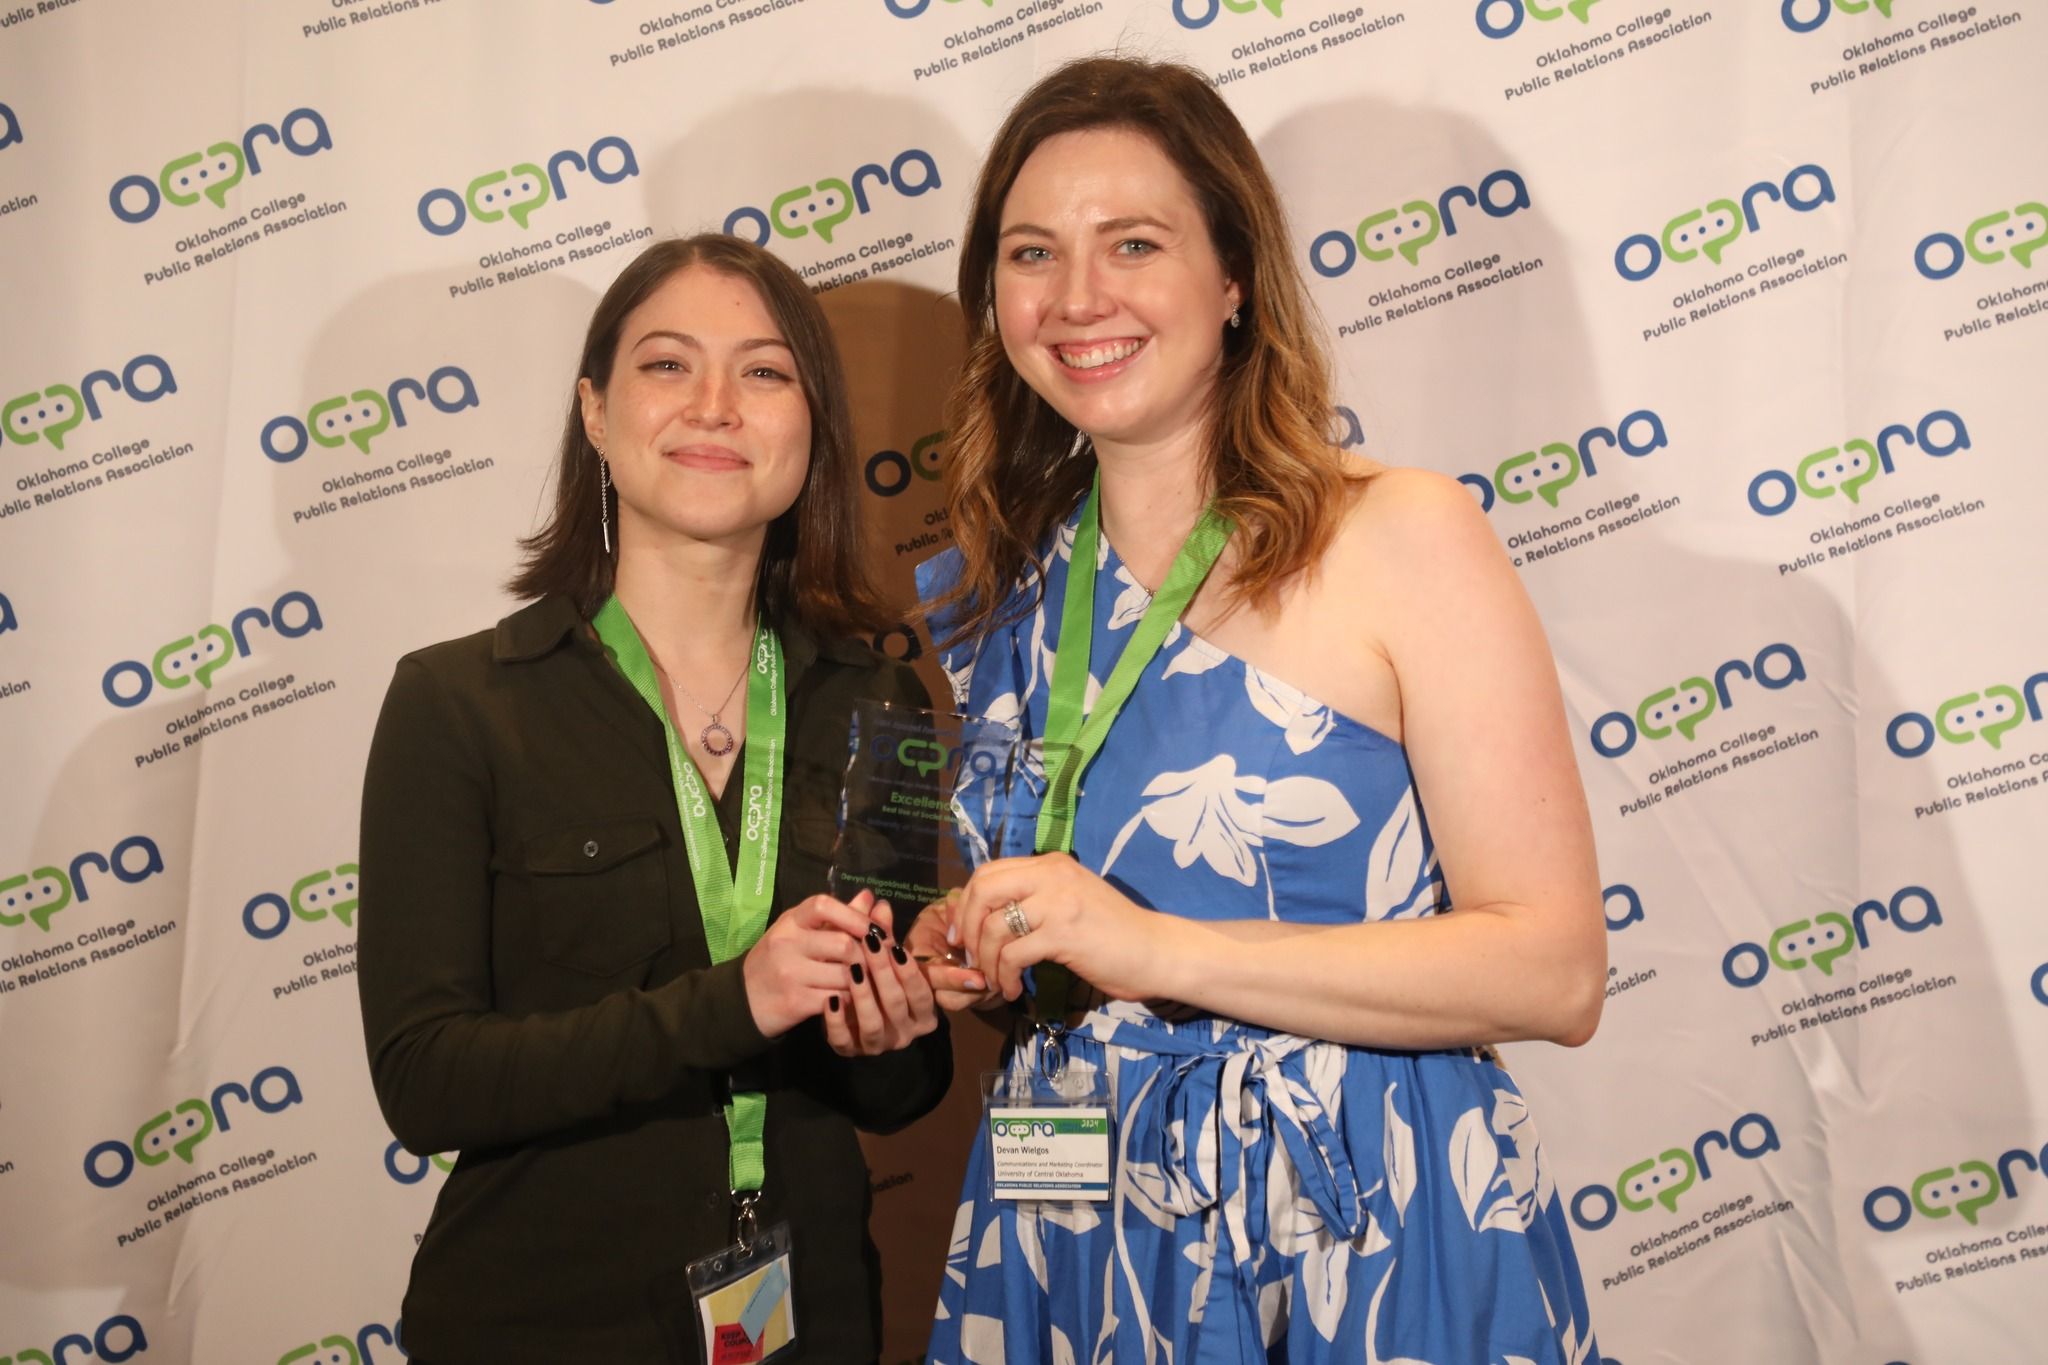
1013 916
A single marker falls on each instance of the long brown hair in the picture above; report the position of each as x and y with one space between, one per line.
814 567
1269 462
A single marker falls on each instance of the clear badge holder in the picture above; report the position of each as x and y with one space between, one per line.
1048 1125
746 1307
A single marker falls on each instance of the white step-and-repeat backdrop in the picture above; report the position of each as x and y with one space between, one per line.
1729 314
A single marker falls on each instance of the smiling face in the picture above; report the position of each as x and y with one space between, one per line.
1109 296
704 420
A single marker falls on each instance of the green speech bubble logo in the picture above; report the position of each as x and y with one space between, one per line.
347 893
1542 475
923 446
1844 468
1577 8
1407 230
2032 221
1684 706
921 767
211 173
50 413
307 906
1884 7
156 1140
518 192
1710 230
1660 1180
1956 1189
335 1350
807 208
361 417
1982 238
1829 937
200 657
1985 715
40 902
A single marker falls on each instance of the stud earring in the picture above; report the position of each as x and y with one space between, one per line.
604 498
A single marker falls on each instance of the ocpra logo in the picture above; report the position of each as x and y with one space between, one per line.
1823 9
1202 13
1846 468
1665 1178
1686 706
52 412
1826 938
1517 10
332 891
1710 230
1964 1189
1407 230
341 1350
1985 715
198 657
822 207
210 174
1987 241
1023 1129
408 1169
102 1343
178 1131
889 471
10 128
757 812
519 192
1557 466
1632 915
38 896
927 756
366 414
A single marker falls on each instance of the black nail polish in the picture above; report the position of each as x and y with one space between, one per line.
901 956
875 938
833 1004
858 975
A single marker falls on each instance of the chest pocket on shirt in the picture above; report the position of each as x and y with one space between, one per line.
600 894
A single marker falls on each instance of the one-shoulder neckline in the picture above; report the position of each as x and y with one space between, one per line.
1114 561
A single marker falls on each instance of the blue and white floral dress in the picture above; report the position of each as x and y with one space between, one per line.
1276 1198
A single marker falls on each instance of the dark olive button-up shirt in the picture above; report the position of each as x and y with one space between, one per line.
537 993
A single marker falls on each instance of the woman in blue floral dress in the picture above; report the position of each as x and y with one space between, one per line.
1317 1157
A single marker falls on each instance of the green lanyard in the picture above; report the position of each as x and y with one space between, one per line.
735 909
1071 739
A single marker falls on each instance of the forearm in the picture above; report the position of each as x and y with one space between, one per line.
1482 974
472 1078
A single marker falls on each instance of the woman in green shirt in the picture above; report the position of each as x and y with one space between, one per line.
575 826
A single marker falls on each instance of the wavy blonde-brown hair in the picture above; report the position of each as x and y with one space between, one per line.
1013 469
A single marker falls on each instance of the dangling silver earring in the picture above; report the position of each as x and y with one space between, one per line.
1235 320
604 498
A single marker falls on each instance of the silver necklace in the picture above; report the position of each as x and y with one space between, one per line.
716 738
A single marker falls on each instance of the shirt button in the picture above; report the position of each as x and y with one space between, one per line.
711 1200
590 849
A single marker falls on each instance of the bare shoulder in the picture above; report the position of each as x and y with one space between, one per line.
1409 529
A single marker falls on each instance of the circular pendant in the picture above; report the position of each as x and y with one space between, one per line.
716 739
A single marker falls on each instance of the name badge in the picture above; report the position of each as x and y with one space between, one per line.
1049 1151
